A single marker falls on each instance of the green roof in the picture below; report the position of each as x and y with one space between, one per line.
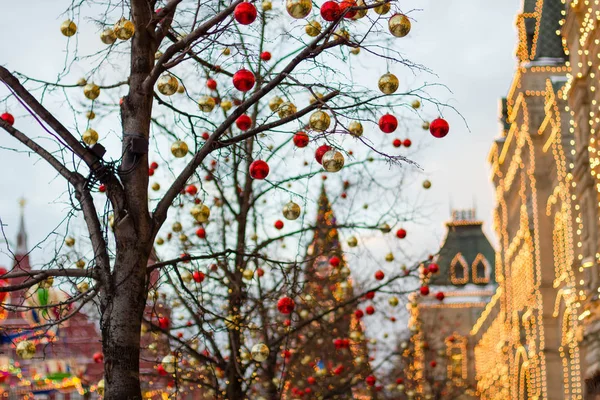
549 43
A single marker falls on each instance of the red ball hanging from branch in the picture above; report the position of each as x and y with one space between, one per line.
301 139
243 122
330 10
371 380
286 305
259 169
401 233
424 290
98 357
211 84
397 143
407 143
440 296
439 127
321 150
433 268
370 310
359 314
191 190
265 56
8 118
201 233
379 275
346 4
163 323
198 276
278 224
245 13
388 123
243 80
334 261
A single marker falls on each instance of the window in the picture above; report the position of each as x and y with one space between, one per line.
456 351
481 269
459 270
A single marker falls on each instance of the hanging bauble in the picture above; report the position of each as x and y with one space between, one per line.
248 274
388 83
180 88
267 5
200 212
407 143
83 287
167 84
440 296
298 8
90 115
91 91
379 275
243 80
424 290
355 128
26 349
397 143
176 227
333 161
70 241
243 122
124 29
90 137
260 352
259 169
98 357
393 301
245 13
321 150
226 105
206 104
8 118
370 380
286 110
291 211
389 257
286 305
352 241
186 276
278 224
179 149
425 125
401 233
156 186
100 387
168 363
416 104
433 268
68 28
319 121
313 28
399 25
385 228
301 139
198 276
316 97
439 127
360 13
426 184
344 8
342 33
355 50
383 7
330 10
265 56
108 36
211 84
81 82
370 310
388 123
274 103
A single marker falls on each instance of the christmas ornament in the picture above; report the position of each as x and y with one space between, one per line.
211 84
259 169
243 80
401 233
278 224
370 380
440 296
379 275
321 150
90 137
124 29
433 268
291 211
370 310
330 10
426 184
245 13
397 143
91 91
389 257
200 212
345 6
313 28
198 276
168 363
68 28
315 98
393 301
301 139
416 104
267 5
385 228
108 36
243 122
98 357
399 25
265 56
274 103
407 143
286 110
439 127
167 84
355 51
206 104
355 128
298 8
433 364
359 314
248 274
26 349
319 121
352 241
286 305
100 387
191 190
424 290
164 323
388 83
425 126
342 33
156 186
176 227
90 115
332 161
8 118
201 233
70 242
383 7
83 287
388 123
179 149
260 352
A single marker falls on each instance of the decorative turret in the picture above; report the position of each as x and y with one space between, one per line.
538 25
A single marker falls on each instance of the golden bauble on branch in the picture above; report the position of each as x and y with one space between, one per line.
180 88
320 121
313 28
70 241
342 33
160 241
248 274
426 184
274 103
352 241
200 212
315 98
416 104
388 83
355 128
26 349
80 264
81 82
68 28
425 126
83 287
383 7
168 362
399 25
393 301
385 228
108 36
90 137
124 29
176 227
179 149
167 84
91 91
156 186
355 50
206 104
298 8
389 257
267 5
286 110
291 211
333 161
90 115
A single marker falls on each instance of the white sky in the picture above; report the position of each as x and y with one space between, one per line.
469 44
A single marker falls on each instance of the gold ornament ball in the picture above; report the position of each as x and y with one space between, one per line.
168 362
355 51
90 115
226 51
426 184
108 36
226 105
68 28
352 241
70 241
26 349
267 6
81 82
342 33
156 186
385 228
416 104
274 103
179 149
186 276
90 137
167 85
315 98
313 28
80 264
320 121
383 8
360 13
206 104
260 352
388 83
47 283
83 287
91 91
291 211
389 257
160 241
298 8
425 126
333 161
124 29
355 128
180 88
248 274
399 25
201 213
286 110
176 227
158 55
393 301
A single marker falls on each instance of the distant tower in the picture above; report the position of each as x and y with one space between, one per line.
21 261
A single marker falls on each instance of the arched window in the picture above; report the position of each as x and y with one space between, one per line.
481 269
459 270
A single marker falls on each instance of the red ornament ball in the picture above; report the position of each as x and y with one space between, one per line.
433 268
407 143
397 143
370 310
286 305
260 272
161 370
211 84
359 314
311 380
379 275
370 295
98 357
102 188
163 323
370 380
8 118
191 190
205 135
334 261
259 169
201 233
278 224
440 296
330 10
439 127
346 4
301 139
245 13
243 80
424 290
399 381
265 56
198 276
154 165
433 364
401 233
150 172
388 123
321 150
243 122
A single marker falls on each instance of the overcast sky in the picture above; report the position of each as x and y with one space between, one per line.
469 44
